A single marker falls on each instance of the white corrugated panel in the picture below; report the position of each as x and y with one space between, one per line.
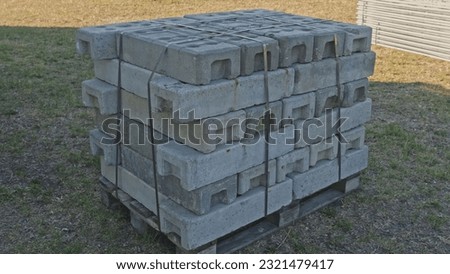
419 26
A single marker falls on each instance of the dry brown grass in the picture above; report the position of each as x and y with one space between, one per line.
392 65
71 13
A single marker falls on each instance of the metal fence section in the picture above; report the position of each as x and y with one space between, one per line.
418 26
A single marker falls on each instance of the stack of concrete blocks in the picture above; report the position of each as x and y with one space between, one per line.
209 69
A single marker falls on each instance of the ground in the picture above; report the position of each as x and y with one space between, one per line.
49 197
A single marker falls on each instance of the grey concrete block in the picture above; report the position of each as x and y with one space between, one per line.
221 96
204 199
355 92
327 98
354 161
199 200
252 57
138 165
352 139
299 107
296 161
107 71
107 124
255 116
133 134
96 93
325 150
203 135
132 185
324 43
314 130
135 79
137 137
256 176
357 38
322 175
322 74
194 231
356 66
101 42
216 16
102 144
296 46
324 35
314 76
357 115
195 169
194 61
348 184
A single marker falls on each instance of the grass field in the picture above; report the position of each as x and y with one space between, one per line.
49 198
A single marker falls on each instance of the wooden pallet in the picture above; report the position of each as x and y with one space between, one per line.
142 219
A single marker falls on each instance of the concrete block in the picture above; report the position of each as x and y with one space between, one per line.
100 41
203 135
220 96
314 130
96 93
107 71
357 38
296 46
194 231
104 145
299 107
324 43
356 66
132 185
195 169
355 92
352 139
252 57
327 98
348 184
354 161
256 176
324 35
314 76
216 16
136 136
322 175
138 165
194 61
325 150
322 74
357 115
108 124
255 116
199 200
296 161
135 79
107 171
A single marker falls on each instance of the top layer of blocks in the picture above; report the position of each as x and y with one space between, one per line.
198 49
